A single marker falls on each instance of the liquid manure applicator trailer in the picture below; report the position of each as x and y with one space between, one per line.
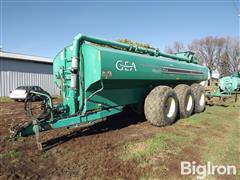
228 85
97 78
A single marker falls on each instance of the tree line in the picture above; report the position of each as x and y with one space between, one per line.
221 54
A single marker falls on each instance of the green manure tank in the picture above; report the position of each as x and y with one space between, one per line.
97 78
229 84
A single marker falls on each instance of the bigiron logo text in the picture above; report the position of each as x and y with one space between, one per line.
202 171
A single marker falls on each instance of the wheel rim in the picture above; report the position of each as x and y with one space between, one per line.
202 99
189 103
171 106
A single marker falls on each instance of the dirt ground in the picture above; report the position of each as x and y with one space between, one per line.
92 153
89 153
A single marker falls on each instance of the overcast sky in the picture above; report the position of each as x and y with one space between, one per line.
43 28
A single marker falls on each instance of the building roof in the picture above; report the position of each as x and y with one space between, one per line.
24 57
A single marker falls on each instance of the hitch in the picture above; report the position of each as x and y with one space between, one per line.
44 116
26 129
16 130
39 112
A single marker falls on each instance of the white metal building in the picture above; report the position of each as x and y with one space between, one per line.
19 70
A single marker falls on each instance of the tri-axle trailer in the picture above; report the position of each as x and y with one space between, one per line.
98 78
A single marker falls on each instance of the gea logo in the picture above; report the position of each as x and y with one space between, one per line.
125 66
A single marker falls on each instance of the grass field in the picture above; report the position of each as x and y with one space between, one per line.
210 136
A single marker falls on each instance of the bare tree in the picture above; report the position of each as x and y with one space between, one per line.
233 50
229 61
217 53
208 51
177 47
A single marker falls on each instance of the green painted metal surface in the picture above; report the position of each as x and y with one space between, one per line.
125 77
98 77
228 85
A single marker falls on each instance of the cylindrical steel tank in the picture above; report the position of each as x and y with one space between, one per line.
112 73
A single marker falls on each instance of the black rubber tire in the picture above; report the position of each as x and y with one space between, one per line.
137 108
199 92
156 109
185 99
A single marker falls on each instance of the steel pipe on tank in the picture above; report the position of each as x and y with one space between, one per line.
79 38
